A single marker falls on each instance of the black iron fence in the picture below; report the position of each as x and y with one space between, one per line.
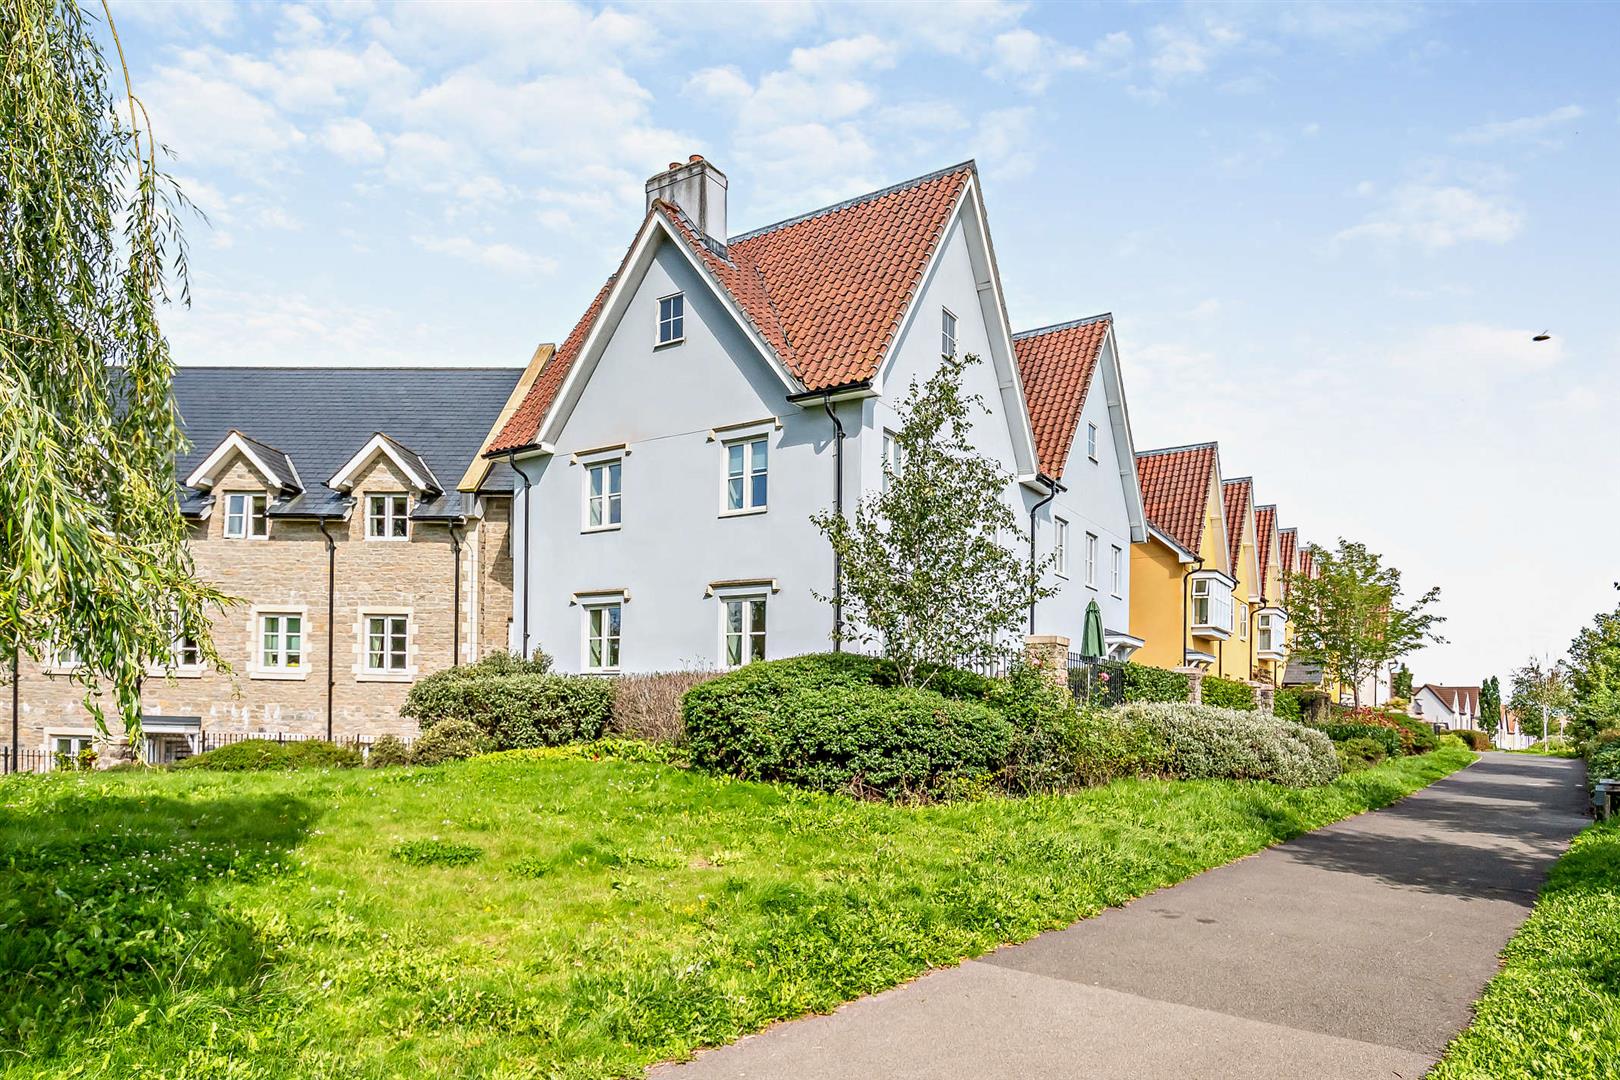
1096 682
176 748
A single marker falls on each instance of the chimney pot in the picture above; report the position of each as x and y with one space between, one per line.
698 189
695 158
673 166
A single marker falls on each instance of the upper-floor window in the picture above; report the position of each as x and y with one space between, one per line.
671 319
1116 571
891 457
1212 605
281 642
245 516
947 332
747 474
386 517
386 643
1262 632
602 494
1091 559
1243 621
1060 546
602 626
744 629
1091 440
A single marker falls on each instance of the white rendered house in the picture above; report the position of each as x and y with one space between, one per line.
719 391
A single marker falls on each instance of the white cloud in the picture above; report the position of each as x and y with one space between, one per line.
1478 354
353 140
209 120
497 256
1006 143
1434 216
1030 60
1523 127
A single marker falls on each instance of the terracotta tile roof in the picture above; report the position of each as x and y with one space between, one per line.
1288 540
826 291
1265 530
1466 697
1236 495
1175 490
1055 364
1307 565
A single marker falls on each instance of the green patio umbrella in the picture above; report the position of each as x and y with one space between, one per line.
1092 646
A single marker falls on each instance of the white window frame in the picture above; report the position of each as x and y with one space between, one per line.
1116 571
1263 639
891 456
1091 560
610 498
1242 613
1060 547
247 517
746 601
1091 440
387 671
947 332
746 443
676 320
1217 604
279 669
589 612
78 741
396 511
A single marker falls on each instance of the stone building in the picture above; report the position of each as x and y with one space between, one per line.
364 540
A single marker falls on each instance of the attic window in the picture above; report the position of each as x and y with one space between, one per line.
947 332
672 319
245 517
386 517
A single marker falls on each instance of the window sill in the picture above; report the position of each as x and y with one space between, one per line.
177 673
670 344
387 539
601 528
748 511
253 538
280 676
385 676
1061 574
600 671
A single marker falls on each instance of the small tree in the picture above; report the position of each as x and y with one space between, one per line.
1490 706
927 577
1348 617
1401 684
1594 671
1542 696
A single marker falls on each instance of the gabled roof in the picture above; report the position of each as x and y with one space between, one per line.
1237 494
319 418
1463 699
274 465
408 461
1288 541
1056 364
1265 533
1175 490
826 292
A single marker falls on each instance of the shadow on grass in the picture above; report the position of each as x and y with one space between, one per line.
103 893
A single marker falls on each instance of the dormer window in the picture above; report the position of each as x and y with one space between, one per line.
245 515
387 516
947 332
672 319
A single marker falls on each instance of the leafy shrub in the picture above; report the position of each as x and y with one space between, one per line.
251 755
1199 742
1360 753
649 706
514 701
1144 682
1387 738
388 750
1419 736
1285 705
436 852
1228 694
823 722
1044 719
1474 740
1603 757
451 740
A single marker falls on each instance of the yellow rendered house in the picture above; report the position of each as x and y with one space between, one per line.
1236 659
1181 575
1270 618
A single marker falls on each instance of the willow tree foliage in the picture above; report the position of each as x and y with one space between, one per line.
928 576
1349 617
93 558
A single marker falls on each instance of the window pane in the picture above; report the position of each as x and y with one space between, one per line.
613 509
757 453
734 459
734 493
734 636
613 478
757 495
598 475
757 630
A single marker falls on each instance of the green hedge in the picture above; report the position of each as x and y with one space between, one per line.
1475 740
252 755
1387 737
1603 757
514 702
1228 694
1146 683
1200 742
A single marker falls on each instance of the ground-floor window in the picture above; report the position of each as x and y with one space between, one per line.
744 629
281 642
386 643
602 631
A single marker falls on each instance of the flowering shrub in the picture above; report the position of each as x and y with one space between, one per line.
1200 742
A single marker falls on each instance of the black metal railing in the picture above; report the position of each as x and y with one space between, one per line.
1096 682
48 761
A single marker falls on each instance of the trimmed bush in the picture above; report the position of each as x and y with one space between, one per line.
1228 694
1144 682
388 750
1603 757
824 722
1045 722
1200 742
1386 737
252 755
1474 740
1360 753
1418 736
514 702
451 740
649 706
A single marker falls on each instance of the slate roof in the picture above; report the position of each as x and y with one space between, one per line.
280 465
1175 490
1236 495
1056 365
316 419
826 291
1265 529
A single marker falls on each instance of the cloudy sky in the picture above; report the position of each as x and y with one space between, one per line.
1327 231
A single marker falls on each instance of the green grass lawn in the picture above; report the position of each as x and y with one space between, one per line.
599 916
1554 1011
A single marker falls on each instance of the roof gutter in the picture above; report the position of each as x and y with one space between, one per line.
841 392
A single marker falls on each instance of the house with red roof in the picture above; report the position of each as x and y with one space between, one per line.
721 388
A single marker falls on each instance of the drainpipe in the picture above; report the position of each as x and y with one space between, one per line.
455 598
331 619
16 682
838 508
1051 493
523 647
1186 604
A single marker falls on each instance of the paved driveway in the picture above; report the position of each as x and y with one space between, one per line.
1353 951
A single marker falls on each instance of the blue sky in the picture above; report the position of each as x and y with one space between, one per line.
1328 231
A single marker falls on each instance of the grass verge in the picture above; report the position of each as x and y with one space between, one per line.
596 916
1554 1011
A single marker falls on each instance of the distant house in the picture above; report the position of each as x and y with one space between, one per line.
721 388
337 506
1451 707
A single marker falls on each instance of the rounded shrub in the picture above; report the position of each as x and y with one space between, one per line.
388 750
1228 694
1143 682
1474 740
251 755
451 740
1201 742
1388 738
1360 753
515 702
